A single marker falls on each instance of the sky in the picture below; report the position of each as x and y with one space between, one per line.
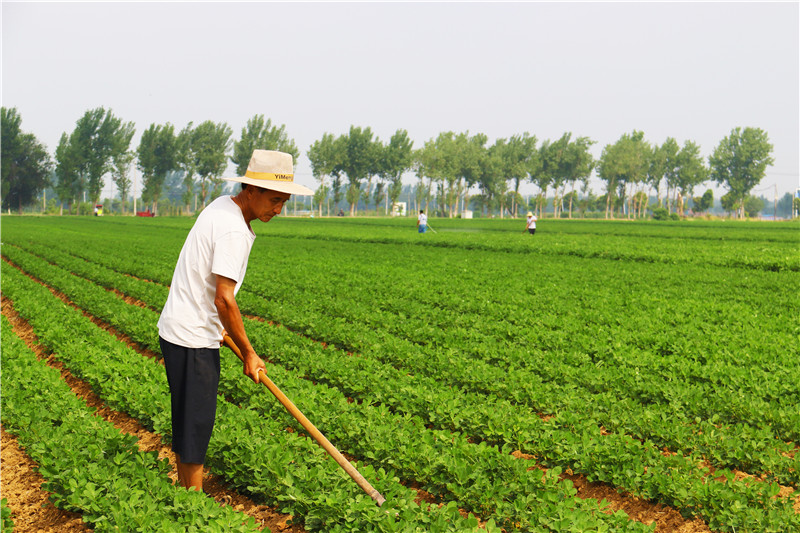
687 70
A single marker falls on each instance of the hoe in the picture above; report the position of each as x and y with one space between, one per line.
313 431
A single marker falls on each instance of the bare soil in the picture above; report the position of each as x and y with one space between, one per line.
30 504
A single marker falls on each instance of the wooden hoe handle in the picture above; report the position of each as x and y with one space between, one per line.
313 431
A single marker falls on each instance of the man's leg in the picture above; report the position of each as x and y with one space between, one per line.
190 475
193 377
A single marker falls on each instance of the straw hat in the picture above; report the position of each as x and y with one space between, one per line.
530 214
272 170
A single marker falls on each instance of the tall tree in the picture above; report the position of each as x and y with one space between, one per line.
323 157
357 160
541 175
492 182
94 143
662 164
25 162
210 144
427 165
397 159
692 171
740 162
556 163
376 155
121 159
186 161
579 165
157 154
261 135
517 157
670 150
624 163
120 174
439 160
472 161
70 180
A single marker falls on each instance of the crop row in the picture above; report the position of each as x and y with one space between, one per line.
448 459
727 425
740 446
742 246
280 468
706 337
640 357
478 476
666 245
622 461
723 305
90 466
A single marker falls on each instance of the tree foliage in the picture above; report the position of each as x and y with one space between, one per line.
324 158
358 161
691 171
157 156
703 203
25 162
625 162
517 158
396 160
96 140
185 159
70 181
121 160
740 161
450 166
210 144
261 135
579 166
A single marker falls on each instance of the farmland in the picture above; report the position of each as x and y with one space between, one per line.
478 377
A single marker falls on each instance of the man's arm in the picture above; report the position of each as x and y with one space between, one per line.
231 319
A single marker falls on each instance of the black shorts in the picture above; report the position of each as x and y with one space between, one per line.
193 377
531 230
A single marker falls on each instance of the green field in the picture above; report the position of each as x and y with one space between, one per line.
659 358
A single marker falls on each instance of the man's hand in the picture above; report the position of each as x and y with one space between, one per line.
231 319
252 366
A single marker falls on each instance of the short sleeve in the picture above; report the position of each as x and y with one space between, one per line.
230 256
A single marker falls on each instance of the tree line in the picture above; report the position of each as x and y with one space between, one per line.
454 170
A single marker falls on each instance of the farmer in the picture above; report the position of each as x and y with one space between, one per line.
530 224
422 222
201 306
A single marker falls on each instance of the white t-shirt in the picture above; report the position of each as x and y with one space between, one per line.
532 222
218 244
423 219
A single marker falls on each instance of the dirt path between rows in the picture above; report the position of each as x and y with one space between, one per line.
29 503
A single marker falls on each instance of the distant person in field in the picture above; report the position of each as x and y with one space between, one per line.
201 307
530 224
422 222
